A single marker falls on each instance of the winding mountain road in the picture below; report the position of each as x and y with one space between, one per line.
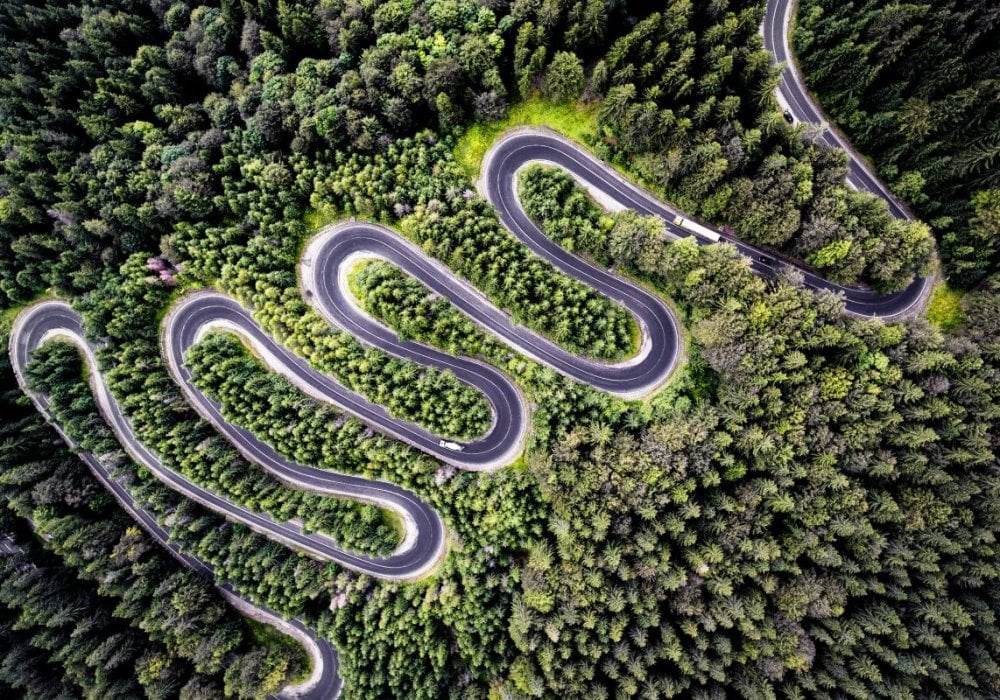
424 541
794 96
55 319
323 273
522 147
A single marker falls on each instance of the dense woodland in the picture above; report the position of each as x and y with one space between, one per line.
830 492
809 509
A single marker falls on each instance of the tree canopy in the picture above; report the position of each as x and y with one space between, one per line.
809 508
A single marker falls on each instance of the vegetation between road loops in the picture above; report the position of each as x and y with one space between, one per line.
418 184
355 526
945 308
136 616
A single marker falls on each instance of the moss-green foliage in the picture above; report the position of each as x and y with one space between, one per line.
465 605
353 525
945 309
412 310
567 214
769 506
491 516
55 371
687 106
551 196
220 367
426 395
576 120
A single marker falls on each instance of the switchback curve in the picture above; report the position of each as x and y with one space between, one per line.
521 147
324 683
794 96
417 554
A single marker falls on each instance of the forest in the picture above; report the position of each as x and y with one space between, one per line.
808 508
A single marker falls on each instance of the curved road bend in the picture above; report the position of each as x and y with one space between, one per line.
198 313
795 95
330 253
792 88
521 147
324 682
422 546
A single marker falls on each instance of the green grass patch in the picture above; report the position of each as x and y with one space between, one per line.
318 216
945 310
187 284
8 315
574 120
270 637
355 272
321 214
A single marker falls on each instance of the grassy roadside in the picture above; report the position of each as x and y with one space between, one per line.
574 120
8 315
270 637
318 215
945 307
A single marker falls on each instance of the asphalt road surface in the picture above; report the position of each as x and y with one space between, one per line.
420 550
522 147
637 376
331 251
205 311
792 89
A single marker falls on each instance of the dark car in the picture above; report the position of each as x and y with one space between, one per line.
766 260
788 117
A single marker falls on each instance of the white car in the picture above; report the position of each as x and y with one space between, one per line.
449 445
